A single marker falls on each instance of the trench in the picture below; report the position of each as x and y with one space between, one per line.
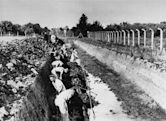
38 104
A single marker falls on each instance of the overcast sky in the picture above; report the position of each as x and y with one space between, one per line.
57 13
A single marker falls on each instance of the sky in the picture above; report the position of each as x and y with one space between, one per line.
59 13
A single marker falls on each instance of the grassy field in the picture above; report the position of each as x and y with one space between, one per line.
14 83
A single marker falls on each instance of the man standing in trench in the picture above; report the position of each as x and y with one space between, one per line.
63 96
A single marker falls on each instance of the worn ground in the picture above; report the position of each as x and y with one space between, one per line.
135 102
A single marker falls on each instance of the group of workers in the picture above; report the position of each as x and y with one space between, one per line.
60 51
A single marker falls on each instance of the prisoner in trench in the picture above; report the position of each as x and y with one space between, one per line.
57 83
68 101
61 101
63 96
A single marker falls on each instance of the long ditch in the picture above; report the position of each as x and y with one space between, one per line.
38 105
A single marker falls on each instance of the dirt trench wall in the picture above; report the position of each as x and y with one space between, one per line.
38 104
138 71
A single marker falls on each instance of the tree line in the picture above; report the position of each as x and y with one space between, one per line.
7 27
83 26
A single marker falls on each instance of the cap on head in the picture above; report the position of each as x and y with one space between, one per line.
52 77
53 37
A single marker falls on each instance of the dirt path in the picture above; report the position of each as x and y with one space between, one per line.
109 108
132 100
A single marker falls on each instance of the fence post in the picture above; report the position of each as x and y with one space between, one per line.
97 35
108 37
161 39
120 37
109 32
102 35
105 36
138 35
111 36
124 37
114 36
152 38
128 36
117 41
144 37
133 37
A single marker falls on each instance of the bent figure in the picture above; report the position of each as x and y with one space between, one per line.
57 83
57 63
61 102
60 70
74 57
